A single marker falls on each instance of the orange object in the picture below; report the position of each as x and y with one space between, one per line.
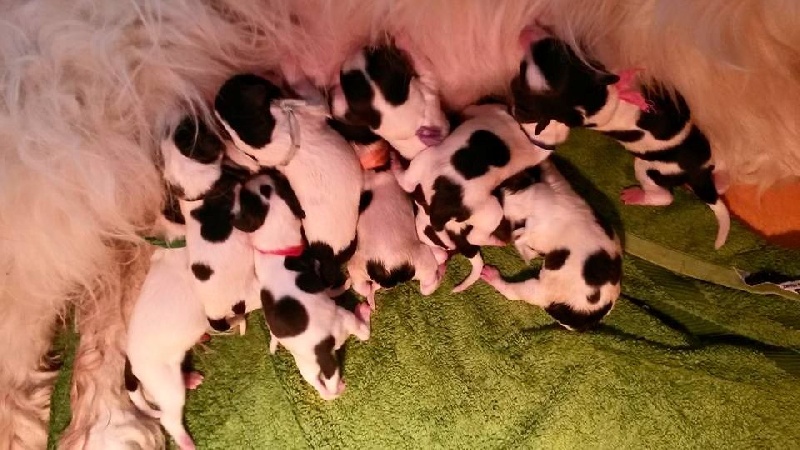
775 214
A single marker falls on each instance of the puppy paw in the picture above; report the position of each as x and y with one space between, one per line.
637 196
192 380
185 442
363 312
490 273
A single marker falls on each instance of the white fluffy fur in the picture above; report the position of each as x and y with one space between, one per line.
87 87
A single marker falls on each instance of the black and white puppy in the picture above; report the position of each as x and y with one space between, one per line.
580 278
293 136
300 316
553 84
389 251
383 89
166 321
220 255
453 182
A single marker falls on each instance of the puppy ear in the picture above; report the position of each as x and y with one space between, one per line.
196 141
532 33
252 212
606 79
242 103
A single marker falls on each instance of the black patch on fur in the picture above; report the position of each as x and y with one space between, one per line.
600 268
521 180
328 268
252 211
690 155
359 95
359 134
434 238
392 71
283 189
265 190
461 242
348 252
172 210
131 382
577 320
483 151
666 117
503 230
625 135
556 259
243 102
447 202
594 297
215 213
326 357
239 308
197 142
202 271
219 324
308 279
419 198
286 317
364 201
389 278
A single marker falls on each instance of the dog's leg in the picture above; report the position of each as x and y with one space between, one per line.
525 290
102 414
649 193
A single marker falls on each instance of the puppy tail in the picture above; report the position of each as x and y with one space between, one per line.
474 275
723 222
135 392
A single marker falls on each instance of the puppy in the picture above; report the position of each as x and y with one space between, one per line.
220 255
381 88
580 278
553 84
294 137
167 320
389 251
453 182
300 316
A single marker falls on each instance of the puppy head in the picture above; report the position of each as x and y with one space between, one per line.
192 158
243 106
379 88
330 384
553 83
268 209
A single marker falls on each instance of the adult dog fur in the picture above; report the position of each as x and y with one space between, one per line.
88 88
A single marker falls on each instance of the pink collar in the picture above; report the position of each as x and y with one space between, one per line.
295 250
627 91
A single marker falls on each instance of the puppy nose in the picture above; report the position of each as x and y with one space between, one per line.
430 136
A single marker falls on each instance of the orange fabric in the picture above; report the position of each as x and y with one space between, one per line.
775 215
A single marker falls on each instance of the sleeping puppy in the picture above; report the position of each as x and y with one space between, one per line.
381 88
580 278
453 182
167 320
389 251
300 316
220 255
293 136
553 84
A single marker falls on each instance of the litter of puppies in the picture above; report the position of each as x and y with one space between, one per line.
286 191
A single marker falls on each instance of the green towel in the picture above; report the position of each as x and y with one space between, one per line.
681 361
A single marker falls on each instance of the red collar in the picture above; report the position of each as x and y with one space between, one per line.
295 250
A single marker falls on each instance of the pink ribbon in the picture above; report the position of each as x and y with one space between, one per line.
295 250
627 90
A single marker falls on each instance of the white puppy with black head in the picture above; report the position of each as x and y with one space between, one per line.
580 278
300 316
294 137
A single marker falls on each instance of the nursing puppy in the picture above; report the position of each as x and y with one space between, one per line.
300 316
669 149
220 255
383 89
167 320
580 278
453 182
389 251
294 137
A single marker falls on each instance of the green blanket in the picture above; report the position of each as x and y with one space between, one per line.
679 363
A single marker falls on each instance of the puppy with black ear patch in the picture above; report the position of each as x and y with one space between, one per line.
453 182
384 89
555 86
300 316
167 320
580 279
220 255
389 251
293 136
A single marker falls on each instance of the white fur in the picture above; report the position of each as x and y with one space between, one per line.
555 218
87 87
387 234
